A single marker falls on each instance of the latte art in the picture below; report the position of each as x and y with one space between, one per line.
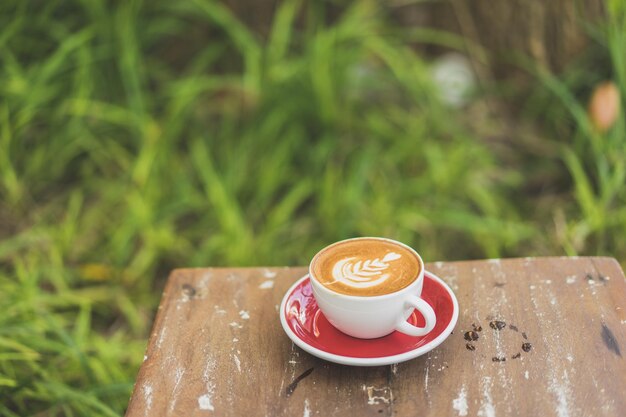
366 266
363 274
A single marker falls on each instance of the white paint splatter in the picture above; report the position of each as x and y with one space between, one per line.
561 389
559 385
237 362
570 358
244 315
460 402
204 402
269 274
379 395
307 408
532 287
439 264
394 369
178 376
234 324
161 338
204 281
593 285
526 375
145 357
186 295
219 310
570 279
265 285
486 404
449 274
426 379
494 261
235 339
291 367
147 394
504 380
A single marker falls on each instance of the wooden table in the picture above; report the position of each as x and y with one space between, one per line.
217 348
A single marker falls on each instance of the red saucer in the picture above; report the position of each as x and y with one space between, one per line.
305 324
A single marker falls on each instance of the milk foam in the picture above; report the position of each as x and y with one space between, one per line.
363 274
366 266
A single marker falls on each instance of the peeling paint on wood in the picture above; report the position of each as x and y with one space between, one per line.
375 396
265 285
460 402
217 348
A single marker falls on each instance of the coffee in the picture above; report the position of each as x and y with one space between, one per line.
366 267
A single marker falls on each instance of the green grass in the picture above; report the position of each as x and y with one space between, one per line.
140 136
592 219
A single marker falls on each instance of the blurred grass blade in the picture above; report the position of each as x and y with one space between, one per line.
225 206
584 193
281 32
242 38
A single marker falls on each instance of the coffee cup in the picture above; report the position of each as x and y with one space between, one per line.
367 287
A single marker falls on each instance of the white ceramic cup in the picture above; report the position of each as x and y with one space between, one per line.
369 317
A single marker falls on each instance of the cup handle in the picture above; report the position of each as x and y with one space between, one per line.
426 310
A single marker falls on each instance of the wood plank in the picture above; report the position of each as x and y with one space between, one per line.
217 348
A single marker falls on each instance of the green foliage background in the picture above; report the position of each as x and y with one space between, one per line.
140 136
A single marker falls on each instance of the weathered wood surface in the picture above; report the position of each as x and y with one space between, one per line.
217 348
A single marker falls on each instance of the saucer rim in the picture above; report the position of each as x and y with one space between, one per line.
376 361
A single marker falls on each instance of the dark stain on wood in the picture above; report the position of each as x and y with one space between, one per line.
497 324
526 347
498 359
292 387
513 327
477 328
470 336
188 290
499 284
524 335
602 278
516 356
609 340
470 347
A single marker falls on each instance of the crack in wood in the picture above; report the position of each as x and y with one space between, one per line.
292 387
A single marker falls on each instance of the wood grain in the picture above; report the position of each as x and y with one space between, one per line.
217 348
